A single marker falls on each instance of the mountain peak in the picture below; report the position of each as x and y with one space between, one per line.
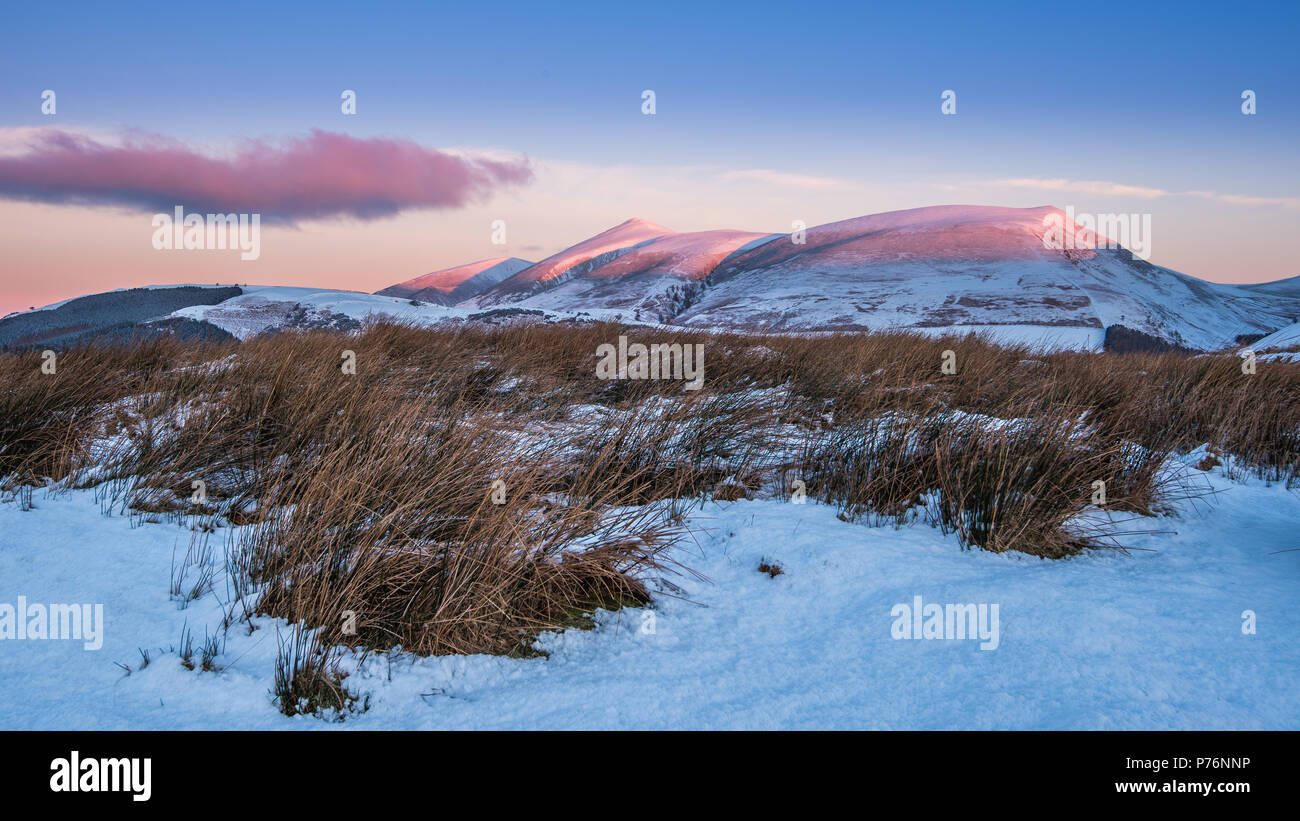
637 225
623 236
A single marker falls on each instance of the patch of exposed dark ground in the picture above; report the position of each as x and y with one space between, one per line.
1122 339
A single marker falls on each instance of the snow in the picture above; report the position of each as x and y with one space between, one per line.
452 285
1274 347
968 265
641 277
1038 337
956 265
1151 639
941 269
620 238
264 307
1289 286
1288 337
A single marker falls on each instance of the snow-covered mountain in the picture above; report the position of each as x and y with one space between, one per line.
939 268
268 308
1283 287
971 266
935 270
555 269
452 285
649 271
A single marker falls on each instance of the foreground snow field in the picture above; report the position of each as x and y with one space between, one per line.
1148 640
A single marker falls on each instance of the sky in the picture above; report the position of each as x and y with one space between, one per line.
532 114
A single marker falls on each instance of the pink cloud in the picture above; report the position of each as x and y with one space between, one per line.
319 175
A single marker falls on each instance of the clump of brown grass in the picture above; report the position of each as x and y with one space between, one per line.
308 680
404 526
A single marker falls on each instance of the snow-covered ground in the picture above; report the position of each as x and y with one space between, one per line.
262 307
1038 337
1275 346
1152 639
266 307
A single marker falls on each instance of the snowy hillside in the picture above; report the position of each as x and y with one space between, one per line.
967 265
452 285
1282 287
601 248
939 267
1288 337
249 310
1281 345
652 280
264 308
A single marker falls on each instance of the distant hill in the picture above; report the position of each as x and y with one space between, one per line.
126 314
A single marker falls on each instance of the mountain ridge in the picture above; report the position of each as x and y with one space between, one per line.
929 267
939 269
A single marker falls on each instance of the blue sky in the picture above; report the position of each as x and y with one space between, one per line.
564 81
1141 95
